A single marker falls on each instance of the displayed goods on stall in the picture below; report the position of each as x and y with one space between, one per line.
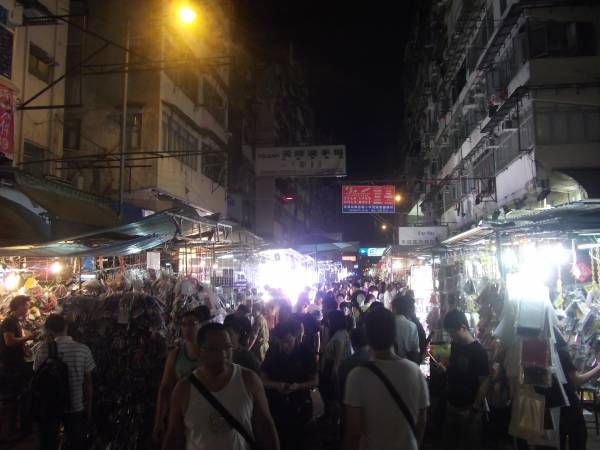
533 280
128 318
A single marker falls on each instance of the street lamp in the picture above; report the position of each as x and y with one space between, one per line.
187 15
398 198
384 226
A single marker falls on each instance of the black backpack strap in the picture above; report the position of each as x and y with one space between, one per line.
52 349
218 406
395 395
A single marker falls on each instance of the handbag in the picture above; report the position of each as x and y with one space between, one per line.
218 406
395 395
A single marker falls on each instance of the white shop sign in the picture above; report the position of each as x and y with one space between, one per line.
421 236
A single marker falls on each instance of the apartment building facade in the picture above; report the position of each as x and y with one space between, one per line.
503 108
177 136
33 53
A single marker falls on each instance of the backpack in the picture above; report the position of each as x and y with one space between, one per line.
50 386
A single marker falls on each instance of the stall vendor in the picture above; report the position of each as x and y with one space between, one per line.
13 337
572 423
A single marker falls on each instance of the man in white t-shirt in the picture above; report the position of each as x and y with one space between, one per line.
374 421
407 335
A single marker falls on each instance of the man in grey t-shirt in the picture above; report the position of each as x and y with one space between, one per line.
373 419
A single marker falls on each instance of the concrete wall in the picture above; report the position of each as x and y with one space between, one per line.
40 127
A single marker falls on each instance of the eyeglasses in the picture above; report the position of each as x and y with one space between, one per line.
226 348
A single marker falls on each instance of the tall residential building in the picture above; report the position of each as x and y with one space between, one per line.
270 109
503 107
177 136
33 53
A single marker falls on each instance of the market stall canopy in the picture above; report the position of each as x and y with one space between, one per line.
469 237
134 237
38 210
327 247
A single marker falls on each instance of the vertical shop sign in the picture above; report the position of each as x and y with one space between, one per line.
7 115
153 260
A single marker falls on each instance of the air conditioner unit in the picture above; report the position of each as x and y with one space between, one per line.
508 125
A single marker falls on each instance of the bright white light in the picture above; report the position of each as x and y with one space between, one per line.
509 258
11 282
527 285
226 257
555 253
56 268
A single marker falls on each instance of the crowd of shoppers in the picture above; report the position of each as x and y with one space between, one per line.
350 356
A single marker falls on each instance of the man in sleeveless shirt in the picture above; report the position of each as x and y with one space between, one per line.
194 424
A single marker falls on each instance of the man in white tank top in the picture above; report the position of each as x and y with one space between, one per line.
194 424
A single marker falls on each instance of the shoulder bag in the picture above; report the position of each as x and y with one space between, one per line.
395 395
218 406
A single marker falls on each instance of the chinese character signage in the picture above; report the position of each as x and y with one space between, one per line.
7 118
368 199
309 161
421 236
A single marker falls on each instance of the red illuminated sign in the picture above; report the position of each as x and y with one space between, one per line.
368 199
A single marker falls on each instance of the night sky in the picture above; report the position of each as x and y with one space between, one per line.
352 53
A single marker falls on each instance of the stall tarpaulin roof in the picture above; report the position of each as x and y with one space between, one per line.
327 247
117 241
577 217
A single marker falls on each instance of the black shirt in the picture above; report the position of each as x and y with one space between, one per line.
297 367
468 362
13 356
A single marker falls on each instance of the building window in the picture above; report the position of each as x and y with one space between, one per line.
40 64
562 39
72 134
37 158
214 164
185 79
561 124
134 130
181 140
6 52
213 102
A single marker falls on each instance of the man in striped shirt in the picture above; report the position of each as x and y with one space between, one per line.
80 364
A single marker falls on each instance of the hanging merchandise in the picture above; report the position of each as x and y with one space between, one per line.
125 334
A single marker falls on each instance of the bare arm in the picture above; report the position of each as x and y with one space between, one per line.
12 341
353 427
420 425
175 438
578 378
482 392
167 384
88 392
262 422
271 384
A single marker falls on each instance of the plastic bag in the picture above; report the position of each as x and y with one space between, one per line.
527 421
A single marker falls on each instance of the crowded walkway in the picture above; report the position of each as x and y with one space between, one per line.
344 366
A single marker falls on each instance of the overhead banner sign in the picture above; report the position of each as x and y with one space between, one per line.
420 236
309 161
368 199
371 251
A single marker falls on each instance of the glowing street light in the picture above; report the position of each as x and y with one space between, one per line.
384 226
187 15
398 198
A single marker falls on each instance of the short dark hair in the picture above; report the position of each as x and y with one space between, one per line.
358 338
380 326
402 305
243 309
55 323
455 319
356 285
240 325
18 301
336 321
208 328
